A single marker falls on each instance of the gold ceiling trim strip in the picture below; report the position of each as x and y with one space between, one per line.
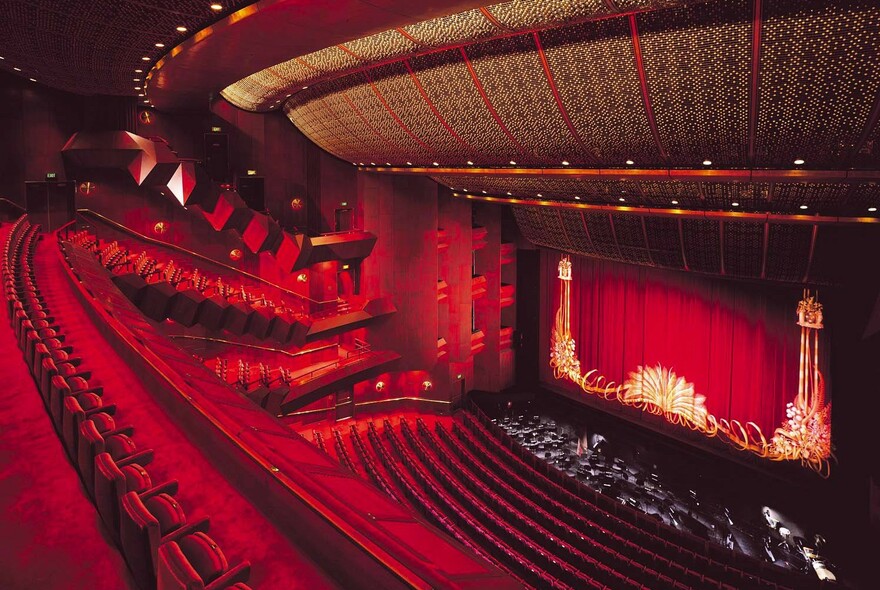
676 213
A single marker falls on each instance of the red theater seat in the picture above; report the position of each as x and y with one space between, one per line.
195 562
147 520
92 442
113 479
77 407
49 371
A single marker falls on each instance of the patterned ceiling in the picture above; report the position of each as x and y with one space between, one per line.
95 46
740 83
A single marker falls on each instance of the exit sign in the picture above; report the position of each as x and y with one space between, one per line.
51 175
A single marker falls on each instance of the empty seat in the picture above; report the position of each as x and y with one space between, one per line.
147 520
195 562
113 479
92 442
52 388
77 407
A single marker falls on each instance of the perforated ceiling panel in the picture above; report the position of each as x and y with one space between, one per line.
95 46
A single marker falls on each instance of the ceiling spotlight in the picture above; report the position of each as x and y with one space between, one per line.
137 87
135 79
372 163
387 163
304 87
675 202
181 29
1 57
707 162
435 163
540 195
470 163
509 194
798 162
145 58
803 207
139 71
565 162
31 79
216 7
17 69
485 193
734 204
160 45
577 198
141 94
629 162
872 209
622 200
512 163
409 163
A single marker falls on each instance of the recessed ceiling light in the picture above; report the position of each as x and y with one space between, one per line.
141 94
540 195
675 202
216 7
565 162
803 207
361 163
304 87
629 162
409 163
509 194
577 198
139 71
734 204
17 69
622 200
485 193
32 80
372 163
470 163
872 209
135 79
1 57
387 163
137 87
145 58
160 45
181 29
512 163
707 162
435 163
798 162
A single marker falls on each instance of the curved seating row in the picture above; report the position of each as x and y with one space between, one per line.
162 547
642 538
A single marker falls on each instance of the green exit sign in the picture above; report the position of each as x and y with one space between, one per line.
51 175
216 129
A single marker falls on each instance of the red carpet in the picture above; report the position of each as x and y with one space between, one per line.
52 536
241 530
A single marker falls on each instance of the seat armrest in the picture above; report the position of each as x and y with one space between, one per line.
84 374
169 487
110 409
201 525
126 430
144 457
234 575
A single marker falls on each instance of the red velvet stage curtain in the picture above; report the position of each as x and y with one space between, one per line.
737 342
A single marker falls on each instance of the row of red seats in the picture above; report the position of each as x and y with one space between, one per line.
519 554
566 562
566 525
369 465
342 453
732 570
458 523
161 547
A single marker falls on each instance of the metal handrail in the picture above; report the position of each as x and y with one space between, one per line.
254 346
139 235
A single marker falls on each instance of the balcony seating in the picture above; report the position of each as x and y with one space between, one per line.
149 519
113 479
195 562
106 456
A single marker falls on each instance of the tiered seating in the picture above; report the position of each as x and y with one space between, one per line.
144 519
465 480
679 555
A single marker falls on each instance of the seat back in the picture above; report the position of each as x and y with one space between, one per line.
191 563
111 483
141 532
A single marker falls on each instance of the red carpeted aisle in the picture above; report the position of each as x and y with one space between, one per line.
50 534
240 529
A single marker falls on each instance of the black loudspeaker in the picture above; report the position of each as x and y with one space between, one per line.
217 156
50 204
252 190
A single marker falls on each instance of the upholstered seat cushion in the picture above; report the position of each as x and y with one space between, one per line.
167 511
204 555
